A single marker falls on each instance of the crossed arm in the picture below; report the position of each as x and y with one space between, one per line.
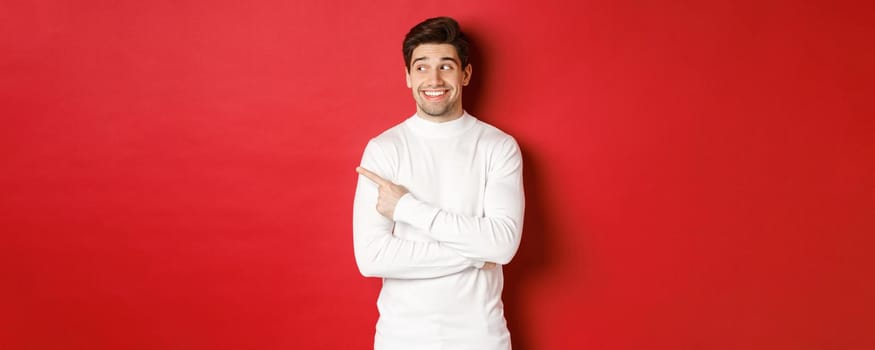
379 253
459 242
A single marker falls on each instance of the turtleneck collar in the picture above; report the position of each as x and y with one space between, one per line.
430 129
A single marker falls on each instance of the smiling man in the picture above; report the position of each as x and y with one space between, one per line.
439 208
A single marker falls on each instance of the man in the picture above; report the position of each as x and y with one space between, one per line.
439 208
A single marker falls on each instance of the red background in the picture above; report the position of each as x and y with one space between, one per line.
179 174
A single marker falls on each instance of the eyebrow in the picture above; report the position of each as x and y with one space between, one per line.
453 59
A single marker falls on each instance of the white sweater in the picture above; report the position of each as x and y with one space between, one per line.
465 207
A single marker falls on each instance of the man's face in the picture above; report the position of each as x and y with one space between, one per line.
436 79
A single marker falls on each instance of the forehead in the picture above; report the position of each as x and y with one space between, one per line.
435 52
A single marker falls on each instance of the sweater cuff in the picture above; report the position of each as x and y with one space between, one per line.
414 212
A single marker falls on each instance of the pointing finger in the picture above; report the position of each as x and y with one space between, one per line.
371 175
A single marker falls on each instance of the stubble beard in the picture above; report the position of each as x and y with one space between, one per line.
441 110
434 111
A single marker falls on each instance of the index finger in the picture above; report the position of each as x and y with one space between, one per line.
371 175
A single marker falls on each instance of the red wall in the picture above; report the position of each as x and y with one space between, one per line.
179 174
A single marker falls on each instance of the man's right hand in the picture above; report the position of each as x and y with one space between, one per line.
489 265
389 193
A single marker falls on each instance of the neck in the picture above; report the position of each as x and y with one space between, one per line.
446 117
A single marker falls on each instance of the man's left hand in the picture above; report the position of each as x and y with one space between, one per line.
390 192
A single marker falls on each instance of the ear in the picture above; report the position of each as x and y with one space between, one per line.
407 77
467 76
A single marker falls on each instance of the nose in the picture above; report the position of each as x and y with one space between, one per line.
434 77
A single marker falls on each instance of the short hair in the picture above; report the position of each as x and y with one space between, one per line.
437 30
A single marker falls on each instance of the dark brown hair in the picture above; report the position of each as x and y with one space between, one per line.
438 30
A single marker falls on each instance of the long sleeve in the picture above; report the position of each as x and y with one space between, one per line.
378 252
493 237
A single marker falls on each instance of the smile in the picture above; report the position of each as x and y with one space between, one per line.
434 94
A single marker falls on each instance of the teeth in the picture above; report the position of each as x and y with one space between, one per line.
433 93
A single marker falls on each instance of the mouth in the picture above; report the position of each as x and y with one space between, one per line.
433 94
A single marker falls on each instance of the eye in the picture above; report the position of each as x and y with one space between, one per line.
420 69
446 67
